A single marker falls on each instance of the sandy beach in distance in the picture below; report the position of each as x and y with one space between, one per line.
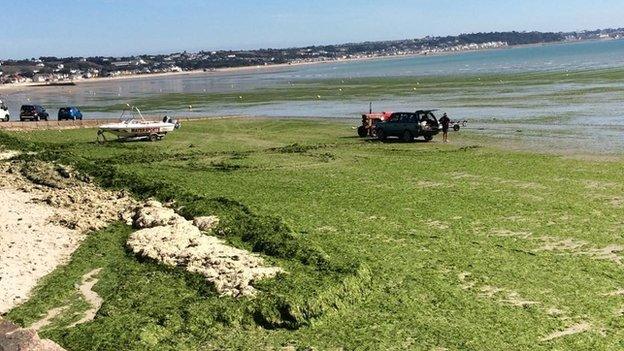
227 70
242 69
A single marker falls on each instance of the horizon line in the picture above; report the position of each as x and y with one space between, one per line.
171 52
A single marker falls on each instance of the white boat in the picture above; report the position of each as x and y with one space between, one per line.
132 128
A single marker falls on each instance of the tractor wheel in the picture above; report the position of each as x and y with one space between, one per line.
407 136
428 137
101 138
381 135
456 127
362 131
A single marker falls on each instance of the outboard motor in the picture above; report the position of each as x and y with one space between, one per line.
168 119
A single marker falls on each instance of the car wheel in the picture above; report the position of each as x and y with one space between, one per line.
428 137
456 127
381 135
362 131
153 137
407 136
36 118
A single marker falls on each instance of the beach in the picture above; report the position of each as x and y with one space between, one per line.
216 71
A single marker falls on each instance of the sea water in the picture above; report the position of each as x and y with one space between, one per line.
600 111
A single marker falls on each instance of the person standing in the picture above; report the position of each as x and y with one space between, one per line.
446 123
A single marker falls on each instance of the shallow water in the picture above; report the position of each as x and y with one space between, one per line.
497 106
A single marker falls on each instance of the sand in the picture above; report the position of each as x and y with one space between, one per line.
575 329
46 215
86 289
30 246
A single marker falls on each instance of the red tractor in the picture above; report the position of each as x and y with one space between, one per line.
369 121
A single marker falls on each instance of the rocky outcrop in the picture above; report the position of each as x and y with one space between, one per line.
172 240
14 338
207 223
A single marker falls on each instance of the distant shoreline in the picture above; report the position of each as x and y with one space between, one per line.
261 68
22 86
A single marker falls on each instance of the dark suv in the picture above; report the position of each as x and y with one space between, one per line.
409 125
33 113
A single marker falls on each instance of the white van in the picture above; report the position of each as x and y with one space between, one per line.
4 112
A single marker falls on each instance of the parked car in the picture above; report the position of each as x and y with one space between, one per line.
68 113
5 116
33 113
408 125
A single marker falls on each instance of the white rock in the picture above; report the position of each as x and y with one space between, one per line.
172 240
206 223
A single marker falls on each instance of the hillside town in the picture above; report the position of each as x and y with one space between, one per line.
50 70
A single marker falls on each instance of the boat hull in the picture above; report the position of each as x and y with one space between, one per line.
138 130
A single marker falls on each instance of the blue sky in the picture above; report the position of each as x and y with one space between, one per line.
33 28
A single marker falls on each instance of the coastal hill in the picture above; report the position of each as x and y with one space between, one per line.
55 69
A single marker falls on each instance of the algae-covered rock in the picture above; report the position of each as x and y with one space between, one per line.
172 240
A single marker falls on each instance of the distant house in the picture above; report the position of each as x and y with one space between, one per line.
121 63
41 78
